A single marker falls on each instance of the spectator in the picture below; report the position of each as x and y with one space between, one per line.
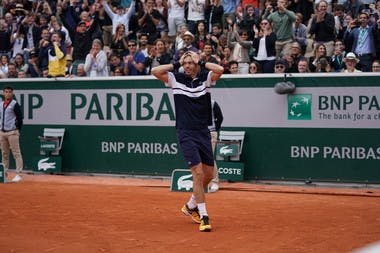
20 64
114 62
213 14
336 61
158 55
188 39
323 64
363 42
206 54
229 7
200 36
323 27
96 61
353 7
319 50
240 48
162 27
5 38
282 20
295 55
55 52
176 17
80 72
33 69
214 37
339 20
225 58
300 32
119 71
250 19
21 74
69 66
120 17
233 67
4 61
195 13
280 66
350 61
82 39
254 68
376 66
12 70
350 24
134 61
143 44
305 8
31 33
148 19
302 66
264 46
119 41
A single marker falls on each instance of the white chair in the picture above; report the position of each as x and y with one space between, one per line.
232 137
51 141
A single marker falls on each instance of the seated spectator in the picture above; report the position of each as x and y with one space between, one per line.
12 70
254 68
233 67
280 66
376 66
118 71
188 39
350 61
115 62
4 61
319 50
33 69
21 74
20 64
206 54
134 61
80 72
96 61
323 64
69 66
336 61
295 55
303 66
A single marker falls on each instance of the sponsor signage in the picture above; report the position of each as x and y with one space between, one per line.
232 171
310 107
227 149
182 181
47 164
48 145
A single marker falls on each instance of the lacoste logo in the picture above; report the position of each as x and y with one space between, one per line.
43 165
299 106
183 183
225 150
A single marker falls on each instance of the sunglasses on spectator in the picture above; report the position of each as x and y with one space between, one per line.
264 23
279 66
131 45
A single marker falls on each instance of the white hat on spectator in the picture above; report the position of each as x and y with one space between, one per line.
351 57
189 34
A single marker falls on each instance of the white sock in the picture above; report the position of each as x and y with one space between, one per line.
202 209
192 202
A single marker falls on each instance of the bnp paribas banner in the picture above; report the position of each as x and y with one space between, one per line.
332 107
328 130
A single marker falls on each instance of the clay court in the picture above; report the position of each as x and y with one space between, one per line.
46 213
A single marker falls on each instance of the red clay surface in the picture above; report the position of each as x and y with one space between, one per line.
76 214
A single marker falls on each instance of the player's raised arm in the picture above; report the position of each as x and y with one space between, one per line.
216 70
161 72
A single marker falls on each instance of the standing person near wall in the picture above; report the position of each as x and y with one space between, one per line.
193 116
217 119
10 123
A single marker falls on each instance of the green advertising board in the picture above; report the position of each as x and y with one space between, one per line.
3 177
328 130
